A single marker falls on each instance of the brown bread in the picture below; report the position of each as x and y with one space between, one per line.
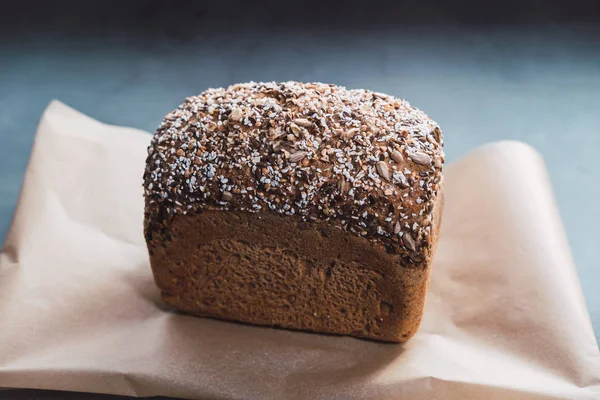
305 206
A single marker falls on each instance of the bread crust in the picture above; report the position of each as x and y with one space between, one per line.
304 206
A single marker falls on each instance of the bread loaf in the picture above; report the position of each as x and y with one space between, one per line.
298 205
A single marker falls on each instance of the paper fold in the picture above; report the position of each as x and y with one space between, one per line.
505 317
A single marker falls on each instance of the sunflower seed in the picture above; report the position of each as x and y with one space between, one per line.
420 158
383 170
349 134
408 241
226 196
236 115
297 156
295 129
437 132
437 161
342 185
302 122
397 156
211 126
397 228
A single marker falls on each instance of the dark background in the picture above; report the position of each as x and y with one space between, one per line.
486 71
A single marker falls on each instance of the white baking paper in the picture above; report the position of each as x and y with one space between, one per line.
505 317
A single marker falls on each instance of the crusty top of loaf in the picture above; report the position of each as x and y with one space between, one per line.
366 161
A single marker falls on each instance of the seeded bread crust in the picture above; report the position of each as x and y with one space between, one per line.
306 206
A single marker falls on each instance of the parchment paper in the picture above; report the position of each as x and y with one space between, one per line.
505 316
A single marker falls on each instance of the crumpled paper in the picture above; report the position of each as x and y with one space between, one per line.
505 317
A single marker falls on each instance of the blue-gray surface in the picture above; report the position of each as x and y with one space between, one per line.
540 85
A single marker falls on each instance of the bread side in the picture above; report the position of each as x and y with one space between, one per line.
266 269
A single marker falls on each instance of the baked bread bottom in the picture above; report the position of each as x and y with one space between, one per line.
266 269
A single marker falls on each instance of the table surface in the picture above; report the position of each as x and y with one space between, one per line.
538 84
